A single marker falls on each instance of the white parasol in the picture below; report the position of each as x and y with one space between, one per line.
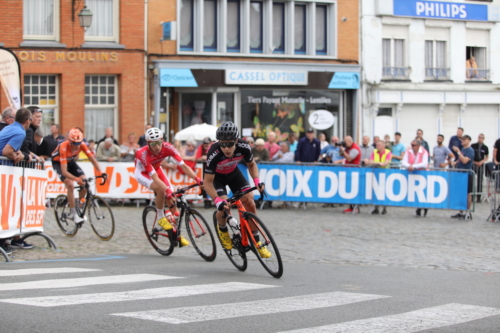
196 132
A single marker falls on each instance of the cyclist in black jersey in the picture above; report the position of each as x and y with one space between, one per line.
222 169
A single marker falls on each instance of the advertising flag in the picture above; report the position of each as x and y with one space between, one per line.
10 77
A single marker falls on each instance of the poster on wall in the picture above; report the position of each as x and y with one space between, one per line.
10 77
285 112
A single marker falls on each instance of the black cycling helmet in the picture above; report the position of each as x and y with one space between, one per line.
227 131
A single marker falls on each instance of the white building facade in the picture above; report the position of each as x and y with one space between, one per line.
415 75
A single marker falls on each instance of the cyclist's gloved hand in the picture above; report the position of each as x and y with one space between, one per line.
80 181
258 184
199 181
170 194
220 204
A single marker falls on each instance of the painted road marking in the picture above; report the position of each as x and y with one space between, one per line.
414 321
234 310
39 271
167 292
80 282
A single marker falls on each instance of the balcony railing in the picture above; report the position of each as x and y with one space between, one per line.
476 74
395 73
437 73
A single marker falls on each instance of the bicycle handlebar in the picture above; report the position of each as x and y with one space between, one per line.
182 190
238 195
104 177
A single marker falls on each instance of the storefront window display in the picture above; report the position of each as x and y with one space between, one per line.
285 111
196 108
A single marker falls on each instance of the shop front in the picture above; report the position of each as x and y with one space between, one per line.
258 99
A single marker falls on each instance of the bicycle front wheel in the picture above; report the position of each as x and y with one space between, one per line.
160 240
200 234
236 255
62 211
273 263
101 218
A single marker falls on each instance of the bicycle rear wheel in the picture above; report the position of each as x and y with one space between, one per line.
101 218
160 240
237 254
200 234
62 211
273 264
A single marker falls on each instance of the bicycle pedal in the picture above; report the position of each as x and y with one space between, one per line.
79 225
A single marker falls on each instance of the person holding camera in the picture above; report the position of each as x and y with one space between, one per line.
331 153
352 156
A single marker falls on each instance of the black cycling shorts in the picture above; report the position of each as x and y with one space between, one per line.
235 180
73 169
469 183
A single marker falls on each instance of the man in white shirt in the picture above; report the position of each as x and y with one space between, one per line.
284 155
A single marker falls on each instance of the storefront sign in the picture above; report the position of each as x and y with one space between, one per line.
42 56
344 80
321 119
441 10
363 186
175 77
266 77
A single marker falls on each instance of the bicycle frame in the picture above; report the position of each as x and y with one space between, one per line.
89 195
245 229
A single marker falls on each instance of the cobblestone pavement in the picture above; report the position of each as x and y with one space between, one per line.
321 235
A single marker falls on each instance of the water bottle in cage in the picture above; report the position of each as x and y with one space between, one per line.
233 223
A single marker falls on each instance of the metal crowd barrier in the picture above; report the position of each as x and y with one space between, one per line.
4 161
494 196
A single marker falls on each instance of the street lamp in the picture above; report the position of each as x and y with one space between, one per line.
85 15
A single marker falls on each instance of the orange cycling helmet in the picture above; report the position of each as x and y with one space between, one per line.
75 136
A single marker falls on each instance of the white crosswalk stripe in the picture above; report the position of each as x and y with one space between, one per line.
80 282
234 310
39 271
166 292
414 321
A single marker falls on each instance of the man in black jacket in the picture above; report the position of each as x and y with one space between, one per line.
142 140
109 134
54 138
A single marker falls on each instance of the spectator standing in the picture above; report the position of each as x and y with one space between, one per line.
352 155
12 136
293 142
388 142
188 154
108 151
8 117
464 162
481 155
129 148
416 157
260 154
398 149
54 139
108 134
420 136
322 140
42 145
376 139
201 157
142 139
441 154
366 149
381 157
284 155
455 141
471 68
331 153
308 148
271 144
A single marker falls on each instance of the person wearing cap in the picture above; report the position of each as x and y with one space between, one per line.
201 157
398 149
260 153
308 149
464 162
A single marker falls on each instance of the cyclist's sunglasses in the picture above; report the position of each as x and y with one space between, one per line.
227 144
155 143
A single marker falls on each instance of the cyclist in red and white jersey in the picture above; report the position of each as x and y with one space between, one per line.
149 173
221 170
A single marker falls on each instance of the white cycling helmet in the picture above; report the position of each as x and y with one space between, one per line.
153 134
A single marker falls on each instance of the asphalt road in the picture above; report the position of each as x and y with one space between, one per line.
357 296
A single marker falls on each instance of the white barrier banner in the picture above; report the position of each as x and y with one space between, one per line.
121 182
17 206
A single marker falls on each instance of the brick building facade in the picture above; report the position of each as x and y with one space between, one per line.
91 79
266 65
